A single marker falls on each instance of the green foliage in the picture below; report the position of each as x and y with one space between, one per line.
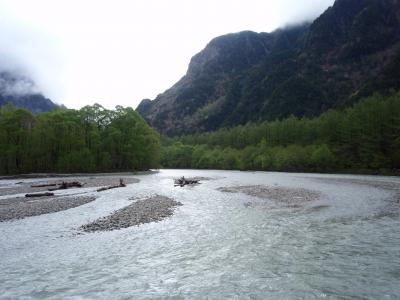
363 137
92 139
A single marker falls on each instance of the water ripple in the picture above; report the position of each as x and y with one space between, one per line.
343 246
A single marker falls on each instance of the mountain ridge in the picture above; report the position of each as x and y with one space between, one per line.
350 51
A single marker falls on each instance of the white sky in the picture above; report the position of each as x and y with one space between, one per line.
119 52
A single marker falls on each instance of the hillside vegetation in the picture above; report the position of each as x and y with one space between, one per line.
362 138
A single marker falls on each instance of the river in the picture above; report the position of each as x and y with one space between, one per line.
217 245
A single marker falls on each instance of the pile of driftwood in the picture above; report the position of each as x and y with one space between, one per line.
55 187
182 181
121 184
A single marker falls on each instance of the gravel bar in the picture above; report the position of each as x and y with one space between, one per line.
152 209
281 196
100 181
19 208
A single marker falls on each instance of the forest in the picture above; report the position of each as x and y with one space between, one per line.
364 138
92 139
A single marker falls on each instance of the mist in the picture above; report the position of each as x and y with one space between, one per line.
120 52
11 84
29 60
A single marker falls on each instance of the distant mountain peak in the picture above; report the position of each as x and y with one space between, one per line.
231 52
22 92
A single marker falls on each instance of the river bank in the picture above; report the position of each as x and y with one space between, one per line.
14 205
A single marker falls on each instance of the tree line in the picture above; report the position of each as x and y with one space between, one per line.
92 139
363 138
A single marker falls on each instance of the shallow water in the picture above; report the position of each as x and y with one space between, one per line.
346 245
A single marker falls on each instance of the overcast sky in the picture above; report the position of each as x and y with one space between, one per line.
121 51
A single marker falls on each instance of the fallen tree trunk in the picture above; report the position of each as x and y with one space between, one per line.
43 185
66 185
47 194
121 184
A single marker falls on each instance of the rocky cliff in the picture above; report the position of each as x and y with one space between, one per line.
351 50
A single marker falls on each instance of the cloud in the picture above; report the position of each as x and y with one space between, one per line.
29 60
121 51
12 84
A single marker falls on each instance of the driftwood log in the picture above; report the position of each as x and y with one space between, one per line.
182 181
47 194
67 185
43 185
121 184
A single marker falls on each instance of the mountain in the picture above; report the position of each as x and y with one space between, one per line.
350 51
22 93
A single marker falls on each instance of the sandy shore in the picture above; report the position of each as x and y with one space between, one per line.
19 208
280 196
152 209
392 187
25 186
392 203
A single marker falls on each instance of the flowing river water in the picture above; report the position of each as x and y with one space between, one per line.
218 245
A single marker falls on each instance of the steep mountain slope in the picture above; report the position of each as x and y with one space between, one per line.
351 50
22 93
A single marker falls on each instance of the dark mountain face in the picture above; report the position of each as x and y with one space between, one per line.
22 93
351 50
351 29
